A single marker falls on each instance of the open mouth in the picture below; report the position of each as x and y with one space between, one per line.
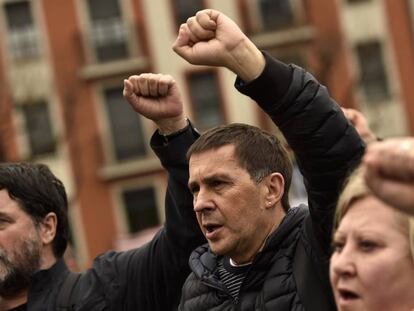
211 230
347 295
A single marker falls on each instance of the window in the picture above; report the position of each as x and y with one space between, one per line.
141 210
357 1
206 99
109 34
271 15
373 77
125 126
39 128
185 9
22 34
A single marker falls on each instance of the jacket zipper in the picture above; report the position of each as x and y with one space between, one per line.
220 289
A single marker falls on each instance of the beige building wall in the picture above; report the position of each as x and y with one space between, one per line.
367 22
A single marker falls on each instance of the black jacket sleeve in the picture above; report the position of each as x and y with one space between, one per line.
151 277
325 144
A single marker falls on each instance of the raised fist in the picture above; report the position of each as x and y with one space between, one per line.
156 97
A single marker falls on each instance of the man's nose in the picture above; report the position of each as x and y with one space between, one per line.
203 201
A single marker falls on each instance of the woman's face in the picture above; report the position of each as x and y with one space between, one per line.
371 267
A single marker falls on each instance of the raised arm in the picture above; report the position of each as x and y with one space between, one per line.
324 142
156 97
158 269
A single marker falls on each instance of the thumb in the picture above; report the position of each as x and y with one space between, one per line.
184 52
128 91
183 44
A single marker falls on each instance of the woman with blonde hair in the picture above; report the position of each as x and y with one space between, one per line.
372 265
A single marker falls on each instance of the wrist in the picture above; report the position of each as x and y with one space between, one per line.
172 126
171 135
247 61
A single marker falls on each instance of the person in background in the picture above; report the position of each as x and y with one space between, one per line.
372 265
360 123
34 230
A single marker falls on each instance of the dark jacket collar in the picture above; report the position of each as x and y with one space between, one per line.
203 261
293 218
45 279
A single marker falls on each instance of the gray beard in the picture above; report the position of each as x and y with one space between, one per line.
16 270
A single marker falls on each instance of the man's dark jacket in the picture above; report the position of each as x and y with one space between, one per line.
145 279
326 148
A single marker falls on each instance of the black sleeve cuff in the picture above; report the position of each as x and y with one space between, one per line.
272 84
174 148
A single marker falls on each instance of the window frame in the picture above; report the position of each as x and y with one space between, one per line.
174 13
388 96
254 22
156 182
106 135
37 33
27 132
356 2
134 46
192 105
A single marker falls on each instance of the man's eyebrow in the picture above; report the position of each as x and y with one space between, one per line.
214 177
210 178
5 215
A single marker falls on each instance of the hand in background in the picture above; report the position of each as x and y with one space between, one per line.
156 97
360 123
389 172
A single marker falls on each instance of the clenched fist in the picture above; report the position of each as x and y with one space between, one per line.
211 38
156 97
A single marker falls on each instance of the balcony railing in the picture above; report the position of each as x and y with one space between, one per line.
110 47
24 43
109 39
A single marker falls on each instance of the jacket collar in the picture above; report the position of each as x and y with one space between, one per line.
290 222
203 261
45 279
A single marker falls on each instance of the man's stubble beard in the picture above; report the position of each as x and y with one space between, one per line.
18 265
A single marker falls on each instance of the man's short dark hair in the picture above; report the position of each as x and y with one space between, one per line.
258 152
38 192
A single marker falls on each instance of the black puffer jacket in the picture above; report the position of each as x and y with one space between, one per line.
326 147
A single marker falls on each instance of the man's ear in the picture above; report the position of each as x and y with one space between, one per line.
48 228
275 188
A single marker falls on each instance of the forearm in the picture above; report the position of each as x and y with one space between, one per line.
269 87
181 223
247 62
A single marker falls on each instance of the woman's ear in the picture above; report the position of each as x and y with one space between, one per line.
48 228
275 188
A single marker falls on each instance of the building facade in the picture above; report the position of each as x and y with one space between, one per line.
62 65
